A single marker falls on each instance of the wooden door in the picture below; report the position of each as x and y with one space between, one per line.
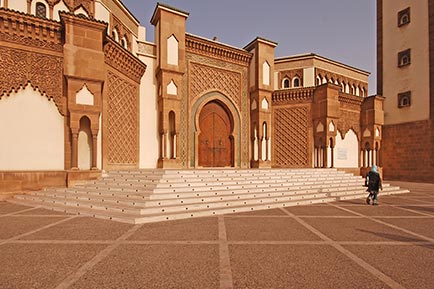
215 144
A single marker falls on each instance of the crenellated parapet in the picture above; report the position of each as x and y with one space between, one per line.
350 99
287 96
119 58
30 31
217 50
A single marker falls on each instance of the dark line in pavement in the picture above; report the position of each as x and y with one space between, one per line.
390 225
374 271
131 242
71 279
226 281
424 215
36 230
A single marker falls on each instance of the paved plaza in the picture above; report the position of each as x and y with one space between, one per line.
344 244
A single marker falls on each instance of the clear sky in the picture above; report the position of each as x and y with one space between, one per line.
342 30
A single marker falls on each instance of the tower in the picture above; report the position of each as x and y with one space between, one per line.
405 56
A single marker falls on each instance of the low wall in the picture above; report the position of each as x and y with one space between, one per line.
16 181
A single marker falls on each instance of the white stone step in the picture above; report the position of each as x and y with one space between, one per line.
152 195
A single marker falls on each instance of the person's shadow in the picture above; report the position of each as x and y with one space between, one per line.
400 238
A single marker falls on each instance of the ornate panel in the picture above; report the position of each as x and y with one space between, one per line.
238 92
204 78
349 119
30 31
122 121
291 136
42 71
123 61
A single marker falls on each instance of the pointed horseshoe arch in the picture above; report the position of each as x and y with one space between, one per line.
215 140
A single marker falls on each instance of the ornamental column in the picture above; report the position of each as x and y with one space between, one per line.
170 35
261 72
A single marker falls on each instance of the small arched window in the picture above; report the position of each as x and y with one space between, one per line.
404 58
41 10
286 83
115 35
318 80
296 82
404 99
124 43
404 17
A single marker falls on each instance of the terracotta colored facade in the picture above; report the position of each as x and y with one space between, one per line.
408 139
215 105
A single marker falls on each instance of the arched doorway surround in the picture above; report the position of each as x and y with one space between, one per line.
216 120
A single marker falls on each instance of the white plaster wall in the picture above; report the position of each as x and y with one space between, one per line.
84 149
142 33
172 50
99 145
84 96
18 5
31 132
102 14
309 77
172 89
149 143
346 151
266 73
276 80
414 77
57 8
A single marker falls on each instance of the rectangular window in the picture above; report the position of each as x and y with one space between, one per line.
404 58
404 17
404 99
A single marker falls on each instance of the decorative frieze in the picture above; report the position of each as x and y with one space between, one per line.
30 31
217 50
350 99
44 72
123 61
296 95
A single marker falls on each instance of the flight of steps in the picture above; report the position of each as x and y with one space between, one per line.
142 196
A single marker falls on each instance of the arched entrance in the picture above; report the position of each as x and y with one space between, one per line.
216 148
84 144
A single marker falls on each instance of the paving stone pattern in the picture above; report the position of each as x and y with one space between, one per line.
345 244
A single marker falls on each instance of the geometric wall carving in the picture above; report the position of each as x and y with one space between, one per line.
43 71
291 141
349 119
122 122
205 78
206 74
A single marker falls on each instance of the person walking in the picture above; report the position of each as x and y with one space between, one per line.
374 184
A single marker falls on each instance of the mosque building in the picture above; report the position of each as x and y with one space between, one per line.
83 92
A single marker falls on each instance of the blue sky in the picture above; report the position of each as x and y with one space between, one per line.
342 30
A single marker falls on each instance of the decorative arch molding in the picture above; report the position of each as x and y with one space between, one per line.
194 120
85 96
81 10
43 72
343 133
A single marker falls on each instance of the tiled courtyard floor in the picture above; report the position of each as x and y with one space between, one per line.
338 245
